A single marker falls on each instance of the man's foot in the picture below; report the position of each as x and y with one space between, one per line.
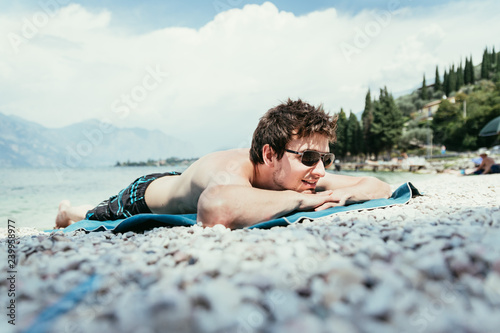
62 219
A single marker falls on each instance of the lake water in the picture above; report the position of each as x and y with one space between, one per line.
31 196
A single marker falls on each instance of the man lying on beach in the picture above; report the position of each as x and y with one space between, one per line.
487 165
283 171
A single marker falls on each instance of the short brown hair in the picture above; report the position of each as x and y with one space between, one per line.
278 126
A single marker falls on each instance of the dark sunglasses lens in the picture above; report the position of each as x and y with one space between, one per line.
309 158
328 160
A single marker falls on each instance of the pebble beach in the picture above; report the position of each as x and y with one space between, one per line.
431 265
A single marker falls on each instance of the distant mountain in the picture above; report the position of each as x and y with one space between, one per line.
90 143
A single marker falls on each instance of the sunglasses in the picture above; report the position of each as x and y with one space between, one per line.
311 157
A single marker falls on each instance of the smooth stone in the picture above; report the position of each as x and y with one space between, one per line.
379 301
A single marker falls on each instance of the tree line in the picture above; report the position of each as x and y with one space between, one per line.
401 124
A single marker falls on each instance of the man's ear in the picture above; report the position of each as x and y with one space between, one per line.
268 155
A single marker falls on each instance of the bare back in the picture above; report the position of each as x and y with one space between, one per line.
180 194
486 164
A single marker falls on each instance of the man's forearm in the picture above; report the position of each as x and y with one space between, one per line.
373 188
367 188
237 206
241 206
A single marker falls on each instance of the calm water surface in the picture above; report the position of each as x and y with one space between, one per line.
31 196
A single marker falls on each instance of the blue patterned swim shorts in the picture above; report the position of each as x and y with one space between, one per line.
130 201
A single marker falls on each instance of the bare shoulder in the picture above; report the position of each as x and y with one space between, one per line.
222 168
489 160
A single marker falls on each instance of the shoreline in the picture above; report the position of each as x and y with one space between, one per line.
34 201
430 265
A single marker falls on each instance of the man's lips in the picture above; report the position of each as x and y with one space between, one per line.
310 183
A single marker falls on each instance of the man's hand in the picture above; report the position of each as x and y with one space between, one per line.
336 198
325 199
347 190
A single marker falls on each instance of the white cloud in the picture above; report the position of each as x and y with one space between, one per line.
224 76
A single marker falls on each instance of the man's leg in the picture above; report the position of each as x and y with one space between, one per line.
495 168
68 214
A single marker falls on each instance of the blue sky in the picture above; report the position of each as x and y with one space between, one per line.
154 14
205 71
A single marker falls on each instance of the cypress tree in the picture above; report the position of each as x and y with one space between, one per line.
387 122
485 65
353 130
367 120
452 79
446 85
490 64
471 71
340 148
437 81
498 62
423 92
377 127
460 77
493 57
467 79
359 138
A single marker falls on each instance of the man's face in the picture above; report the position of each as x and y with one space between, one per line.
291 174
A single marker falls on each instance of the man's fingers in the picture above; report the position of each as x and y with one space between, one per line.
323 200
331 202
327 205
324 193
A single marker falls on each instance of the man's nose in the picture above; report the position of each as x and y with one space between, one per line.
319 169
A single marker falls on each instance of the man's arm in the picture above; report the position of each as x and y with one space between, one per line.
488 163
238 206
352 189
481 166
241 205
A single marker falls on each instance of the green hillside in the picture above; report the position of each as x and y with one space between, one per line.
451 111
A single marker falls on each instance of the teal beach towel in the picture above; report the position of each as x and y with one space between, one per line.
143 222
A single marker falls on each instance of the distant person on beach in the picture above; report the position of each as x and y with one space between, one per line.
283 171
487 165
